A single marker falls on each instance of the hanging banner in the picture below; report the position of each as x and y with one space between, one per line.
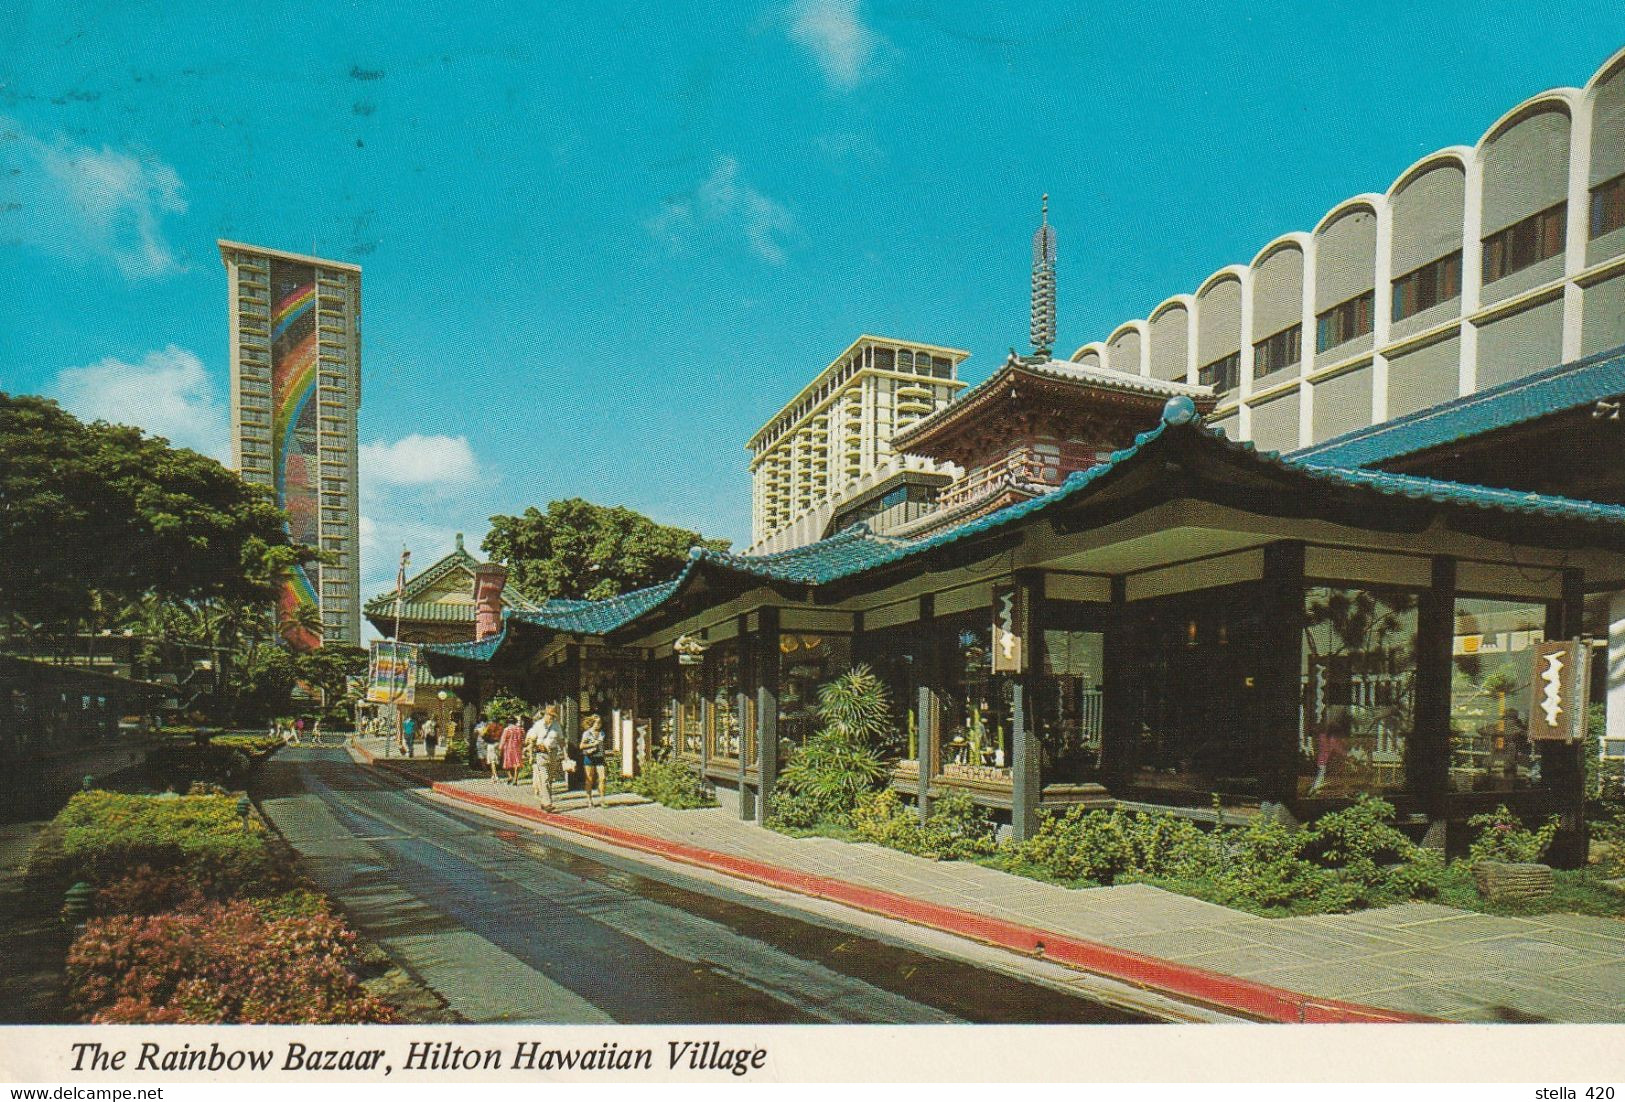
1558 690
392 672
1009 629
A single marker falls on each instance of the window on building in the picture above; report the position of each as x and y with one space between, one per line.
885 359
1359 691
725 678
1278 351
1344 322
1222 374
1524 243
806 663
1068 706
1427 286
1608 206
690 731
942 368
975 723
1493 662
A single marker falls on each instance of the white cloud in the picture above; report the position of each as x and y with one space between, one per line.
835 35
418 460
79 199
724 200
169 394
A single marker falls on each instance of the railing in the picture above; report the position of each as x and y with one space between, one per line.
1023 467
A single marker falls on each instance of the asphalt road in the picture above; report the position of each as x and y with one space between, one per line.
514 926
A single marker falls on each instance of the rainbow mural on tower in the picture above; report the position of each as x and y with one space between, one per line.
294 459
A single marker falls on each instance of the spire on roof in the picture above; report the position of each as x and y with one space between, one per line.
459 541
1043 311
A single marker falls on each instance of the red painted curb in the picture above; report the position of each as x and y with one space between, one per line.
1229 993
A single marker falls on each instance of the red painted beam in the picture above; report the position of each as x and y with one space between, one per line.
1229 993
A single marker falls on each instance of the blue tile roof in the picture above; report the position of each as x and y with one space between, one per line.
482 651
1566 386
857 551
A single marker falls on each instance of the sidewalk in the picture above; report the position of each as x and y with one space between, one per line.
1415 960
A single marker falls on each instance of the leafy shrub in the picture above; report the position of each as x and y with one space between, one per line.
1608 834
225 962
457 747
145 890
107 834
839 763
1084 844
1262 865
959 829
1373 859
882 818
1503 837
672 783
794 811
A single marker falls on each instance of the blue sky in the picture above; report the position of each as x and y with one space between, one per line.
603 242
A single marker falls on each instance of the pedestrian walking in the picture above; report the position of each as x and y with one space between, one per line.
592 757
298 730
409 735
430 736
316 730
490 732
512 747
546 739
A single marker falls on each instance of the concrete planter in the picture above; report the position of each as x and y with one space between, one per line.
1512 881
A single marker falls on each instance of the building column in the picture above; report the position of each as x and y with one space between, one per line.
1428 760
1280 684
928 718
1025 782
570 710
471 716
1562 764
767 711
1122 681
747 666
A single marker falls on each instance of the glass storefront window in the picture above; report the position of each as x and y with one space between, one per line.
975 729
1068 709
806 662
1359 691
690 733
723 673
1493 662
1196 700
895 656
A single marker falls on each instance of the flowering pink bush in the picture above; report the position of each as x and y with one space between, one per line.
222 962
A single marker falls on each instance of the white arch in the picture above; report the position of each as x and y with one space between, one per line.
1139 327
1566 99
1605 70
1097 347
1375 203
1459 155
1296 238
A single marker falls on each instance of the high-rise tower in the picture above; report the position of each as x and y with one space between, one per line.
295 392
1043 321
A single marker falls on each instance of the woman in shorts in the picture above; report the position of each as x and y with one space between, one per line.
592 757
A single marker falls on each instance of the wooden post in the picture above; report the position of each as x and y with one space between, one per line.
1428 756
929 718
747 673
1025 782
571 682
1562 767
767 712
1280 682
1119 707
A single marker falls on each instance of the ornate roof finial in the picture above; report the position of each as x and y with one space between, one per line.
1043 308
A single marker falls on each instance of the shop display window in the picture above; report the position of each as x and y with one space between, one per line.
807 661
724 678
690 722
974 736
896 656
1359 691
1491 671
1069 705
1196 660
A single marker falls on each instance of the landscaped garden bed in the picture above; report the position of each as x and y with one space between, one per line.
834 785
193 912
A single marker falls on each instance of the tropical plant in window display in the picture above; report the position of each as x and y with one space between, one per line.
1360 652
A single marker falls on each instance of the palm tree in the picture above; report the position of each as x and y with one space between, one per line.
303 617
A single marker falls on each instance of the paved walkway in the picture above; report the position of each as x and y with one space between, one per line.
1418 958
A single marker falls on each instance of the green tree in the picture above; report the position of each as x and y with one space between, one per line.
580 550
96 518
827 774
